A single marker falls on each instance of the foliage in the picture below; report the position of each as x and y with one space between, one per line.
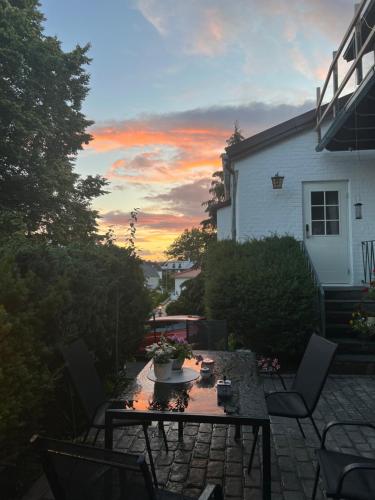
50 295
157 297
190 245
182 349
264 290
191 300
217 195
370 291
217 186
161 352
236 137
42 129
362 323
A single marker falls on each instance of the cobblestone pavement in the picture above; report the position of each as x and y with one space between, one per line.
209 453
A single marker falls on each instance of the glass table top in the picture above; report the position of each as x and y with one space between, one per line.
200 397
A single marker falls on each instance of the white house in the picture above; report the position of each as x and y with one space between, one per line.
152 274
326 158
180 278
177 265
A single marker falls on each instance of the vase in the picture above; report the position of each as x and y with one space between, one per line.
177 364
163 370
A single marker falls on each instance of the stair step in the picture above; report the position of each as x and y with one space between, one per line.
358 358
354 345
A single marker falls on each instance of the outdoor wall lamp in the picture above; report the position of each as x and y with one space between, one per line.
358 210
277 181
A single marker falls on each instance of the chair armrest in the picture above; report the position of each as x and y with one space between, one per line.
212 492
337 423
352 468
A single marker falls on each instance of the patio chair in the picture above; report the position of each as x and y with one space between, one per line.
345 476
81 472
300 402
82 371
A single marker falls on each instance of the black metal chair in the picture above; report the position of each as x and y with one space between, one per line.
80 365
300 402
345 476
81 472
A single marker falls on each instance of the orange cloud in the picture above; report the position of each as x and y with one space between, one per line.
161 150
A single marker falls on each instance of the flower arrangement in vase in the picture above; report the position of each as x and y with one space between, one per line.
161 353
182 351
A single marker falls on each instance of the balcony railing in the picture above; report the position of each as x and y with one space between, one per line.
352 36
368 259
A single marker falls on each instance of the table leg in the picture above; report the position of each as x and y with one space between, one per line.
266 445
108 441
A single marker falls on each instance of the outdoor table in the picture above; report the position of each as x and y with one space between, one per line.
197 401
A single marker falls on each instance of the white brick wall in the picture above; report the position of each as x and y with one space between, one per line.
224 216
261 210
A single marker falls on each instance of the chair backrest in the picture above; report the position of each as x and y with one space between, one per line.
313 370
78 472
84 376
210 335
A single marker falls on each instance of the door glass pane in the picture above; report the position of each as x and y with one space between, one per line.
333 227
317 198
317 228
332 213
332 197
317 213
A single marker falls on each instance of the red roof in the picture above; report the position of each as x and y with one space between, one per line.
189 273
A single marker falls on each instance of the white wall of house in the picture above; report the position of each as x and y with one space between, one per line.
178 282
224 218
261 210
152 282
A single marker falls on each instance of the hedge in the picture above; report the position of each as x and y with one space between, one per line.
50 295
264 290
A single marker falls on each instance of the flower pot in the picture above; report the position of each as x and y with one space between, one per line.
163 370
177 364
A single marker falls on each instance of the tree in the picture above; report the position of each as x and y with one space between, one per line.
190 245
236 137
42 128
217 185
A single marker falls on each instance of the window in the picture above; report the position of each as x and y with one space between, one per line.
325 219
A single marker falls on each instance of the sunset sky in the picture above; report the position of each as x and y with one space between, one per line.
168 80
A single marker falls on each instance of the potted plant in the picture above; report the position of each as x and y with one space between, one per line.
364 324
182 351
161 353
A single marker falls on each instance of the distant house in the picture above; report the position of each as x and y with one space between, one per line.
152 274
182 277
177 265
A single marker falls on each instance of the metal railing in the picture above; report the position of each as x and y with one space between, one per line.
368 259
320 297
361 47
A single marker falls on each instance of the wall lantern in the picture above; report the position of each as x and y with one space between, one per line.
358 210
277 181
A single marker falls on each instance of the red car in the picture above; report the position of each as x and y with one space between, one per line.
183 327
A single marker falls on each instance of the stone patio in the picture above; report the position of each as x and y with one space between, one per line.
209 454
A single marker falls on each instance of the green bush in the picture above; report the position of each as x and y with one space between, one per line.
50 295
264 290
191 300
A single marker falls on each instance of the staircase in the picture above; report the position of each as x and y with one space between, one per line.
354 355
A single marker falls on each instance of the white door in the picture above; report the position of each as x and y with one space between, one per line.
326 230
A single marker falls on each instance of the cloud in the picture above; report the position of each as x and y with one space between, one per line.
270 30
166 222
172 148
186 199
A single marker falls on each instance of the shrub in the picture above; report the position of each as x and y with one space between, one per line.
191 300
264 290
49 295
